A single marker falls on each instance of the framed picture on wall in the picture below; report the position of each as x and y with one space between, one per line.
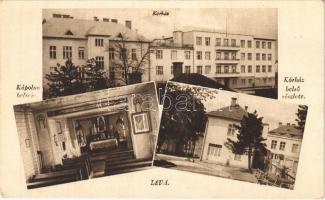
141 122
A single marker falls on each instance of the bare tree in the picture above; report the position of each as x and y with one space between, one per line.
133 58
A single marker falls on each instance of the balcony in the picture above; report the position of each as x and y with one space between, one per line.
227 74
228 47
227 60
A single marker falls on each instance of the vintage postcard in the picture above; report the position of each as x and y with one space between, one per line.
83 91
89 135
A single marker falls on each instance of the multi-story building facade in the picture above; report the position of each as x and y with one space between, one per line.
238 61
79 40
284 143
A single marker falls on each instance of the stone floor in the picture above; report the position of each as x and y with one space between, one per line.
197 166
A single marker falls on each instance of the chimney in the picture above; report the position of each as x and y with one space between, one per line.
128 24
246 107
114 21
233 102
57 15
96 18
105 20
280 124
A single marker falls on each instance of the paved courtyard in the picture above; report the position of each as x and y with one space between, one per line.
197 166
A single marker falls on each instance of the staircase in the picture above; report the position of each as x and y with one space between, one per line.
124 162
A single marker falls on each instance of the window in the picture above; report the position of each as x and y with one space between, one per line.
263 68
258 68
269 68
233 42
100 62
249 69
233 69
263 56
207 69
218 55
187 55
123 53
67 52
242 43
159 54
226 55
134 54
250 81
225 42
198 40
269 56
249 43
242 56
237 157
226 69
257 80
264 80
199 69
249 56
199 55
258 56
273 144
231 130
218 69
282 146
234 81
242 69
243 81
207 41
207 55
257 44
218 41
214 150
294 148
263 45
270 80
99 42
81 52
171 69
159 70
269 45
173 54
233 56
111 53
52 52
187 69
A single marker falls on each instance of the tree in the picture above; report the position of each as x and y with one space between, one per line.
184 116
132 57
249 137
301 117
69 79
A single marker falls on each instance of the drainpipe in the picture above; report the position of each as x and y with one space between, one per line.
204 138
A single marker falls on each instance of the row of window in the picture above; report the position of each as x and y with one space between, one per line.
173 54
233 43
214 150
66 52
123 54
226 69
250 81
294 147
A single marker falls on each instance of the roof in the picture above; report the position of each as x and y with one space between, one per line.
81 28
290 131
229 112
201 80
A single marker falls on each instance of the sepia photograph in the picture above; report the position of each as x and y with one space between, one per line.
89 135
92 49
230 135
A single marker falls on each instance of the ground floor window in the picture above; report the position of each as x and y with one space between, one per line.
214 150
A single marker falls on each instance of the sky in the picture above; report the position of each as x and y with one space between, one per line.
260 22
272 111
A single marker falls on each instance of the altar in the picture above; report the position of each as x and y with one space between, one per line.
104 144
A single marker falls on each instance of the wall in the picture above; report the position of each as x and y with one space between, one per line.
25 129
216 133
59 43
